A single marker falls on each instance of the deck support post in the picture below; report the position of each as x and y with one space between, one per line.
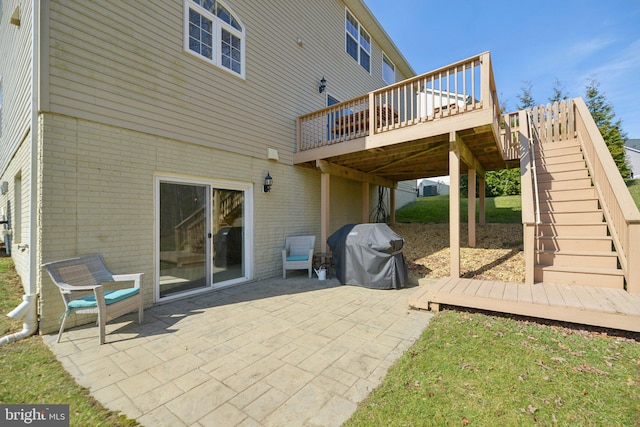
454 205
482 220
325 182
471 207
392 206
365 202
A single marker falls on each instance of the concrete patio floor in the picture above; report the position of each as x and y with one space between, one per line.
269 353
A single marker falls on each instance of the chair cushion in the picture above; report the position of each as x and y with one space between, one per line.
109 298
297 257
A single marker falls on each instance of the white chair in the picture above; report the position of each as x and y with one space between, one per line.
80 281
298 254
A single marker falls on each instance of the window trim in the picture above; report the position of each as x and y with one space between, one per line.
389 61
360 29
218 25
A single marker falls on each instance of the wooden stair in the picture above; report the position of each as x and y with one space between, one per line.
573 245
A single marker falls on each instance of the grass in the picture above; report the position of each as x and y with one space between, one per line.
504 209
31 374
476 369
634 188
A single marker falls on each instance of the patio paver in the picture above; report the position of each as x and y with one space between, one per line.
269 353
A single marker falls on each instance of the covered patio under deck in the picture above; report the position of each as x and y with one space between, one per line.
445 122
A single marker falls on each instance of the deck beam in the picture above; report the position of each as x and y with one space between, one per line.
356 175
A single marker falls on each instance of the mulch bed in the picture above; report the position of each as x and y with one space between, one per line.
497 256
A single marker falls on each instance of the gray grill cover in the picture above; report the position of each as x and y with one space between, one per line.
369 255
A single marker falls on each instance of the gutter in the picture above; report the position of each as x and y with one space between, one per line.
28 307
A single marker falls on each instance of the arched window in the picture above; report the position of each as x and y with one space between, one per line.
214 33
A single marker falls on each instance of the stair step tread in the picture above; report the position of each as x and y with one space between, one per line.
548 176
545 179
540 161
583 270
575 237
579 253
576 169
574 212
560 144
581 224
580 199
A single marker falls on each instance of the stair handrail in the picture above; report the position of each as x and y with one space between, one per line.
619 209
528 211
535 139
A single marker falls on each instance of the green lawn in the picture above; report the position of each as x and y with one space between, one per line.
480 370
504 209
30 373
634 189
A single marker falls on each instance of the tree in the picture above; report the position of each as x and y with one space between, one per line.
525 99
558 92
602 112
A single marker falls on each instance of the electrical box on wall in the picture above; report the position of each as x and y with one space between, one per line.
4 188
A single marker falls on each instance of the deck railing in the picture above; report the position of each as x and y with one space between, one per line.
617 204
458 88
555 122
510 136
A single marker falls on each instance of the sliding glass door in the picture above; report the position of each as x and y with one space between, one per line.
228 235
202 236
184 238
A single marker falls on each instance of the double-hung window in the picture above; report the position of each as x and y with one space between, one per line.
388 70
357 41
215 34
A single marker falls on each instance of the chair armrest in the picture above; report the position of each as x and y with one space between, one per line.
136 278
72 288
310 254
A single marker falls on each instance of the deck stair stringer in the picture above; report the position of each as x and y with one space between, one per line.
585 305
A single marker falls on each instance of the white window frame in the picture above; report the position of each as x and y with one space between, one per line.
217 26
248 242
388 64
361 47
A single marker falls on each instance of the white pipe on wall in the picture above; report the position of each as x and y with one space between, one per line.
33 181
26 309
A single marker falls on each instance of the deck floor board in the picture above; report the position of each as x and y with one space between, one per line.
587 305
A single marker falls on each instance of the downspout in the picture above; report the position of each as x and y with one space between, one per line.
28 307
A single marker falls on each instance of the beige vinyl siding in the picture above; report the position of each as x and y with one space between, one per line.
15 138
15 78
123 63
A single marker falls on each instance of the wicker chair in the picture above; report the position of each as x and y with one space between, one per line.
80 281
298 254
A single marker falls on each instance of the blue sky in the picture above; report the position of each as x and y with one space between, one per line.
571 40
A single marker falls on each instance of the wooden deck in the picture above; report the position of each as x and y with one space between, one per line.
587 305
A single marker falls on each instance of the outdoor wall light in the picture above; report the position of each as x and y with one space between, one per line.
323 85
268 182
